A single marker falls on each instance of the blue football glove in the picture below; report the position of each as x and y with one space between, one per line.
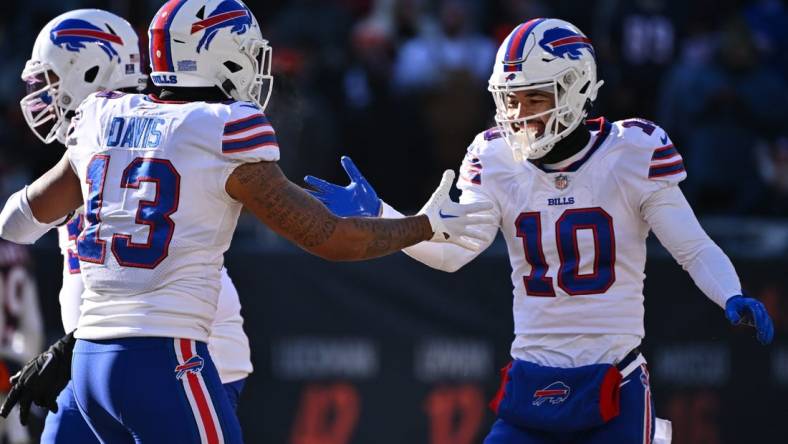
748 311
356 199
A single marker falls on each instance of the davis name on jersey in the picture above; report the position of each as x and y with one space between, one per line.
576 236
157 218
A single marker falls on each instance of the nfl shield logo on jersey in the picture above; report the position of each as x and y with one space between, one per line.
561 181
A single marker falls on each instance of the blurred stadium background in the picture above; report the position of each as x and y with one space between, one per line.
391 352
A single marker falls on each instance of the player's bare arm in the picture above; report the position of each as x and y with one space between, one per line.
290 211
360 199
33 210
56 193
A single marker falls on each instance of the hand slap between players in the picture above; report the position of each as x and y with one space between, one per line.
450 221
453 222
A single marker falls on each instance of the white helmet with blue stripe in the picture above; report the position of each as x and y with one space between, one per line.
203 43
76 54
548 55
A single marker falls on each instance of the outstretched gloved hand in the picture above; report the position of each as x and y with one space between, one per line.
356 199
454 222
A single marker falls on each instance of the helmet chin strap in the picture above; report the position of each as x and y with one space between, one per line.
62 127
227 88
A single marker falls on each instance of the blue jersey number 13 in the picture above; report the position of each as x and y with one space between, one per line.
153 213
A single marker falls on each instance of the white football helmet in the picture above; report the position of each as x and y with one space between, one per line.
87 50
548 55
199 43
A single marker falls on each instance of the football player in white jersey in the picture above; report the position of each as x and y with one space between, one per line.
68 63
575 202
163 179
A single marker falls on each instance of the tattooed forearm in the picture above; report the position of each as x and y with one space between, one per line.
294 214
389 235
288 211
283 206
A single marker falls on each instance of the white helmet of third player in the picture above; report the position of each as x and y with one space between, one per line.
548 55
76 54
199 43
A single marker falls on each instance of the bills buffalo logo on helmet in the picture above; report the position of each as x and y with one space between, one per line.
229 14
563 42
193 365
72 34
556 393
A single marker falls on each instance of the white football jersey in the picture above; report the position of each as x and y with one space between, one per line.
228 344
157 216
576 236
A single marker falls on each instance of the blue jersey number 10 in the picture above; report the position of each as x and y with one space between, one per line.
153 213
529 228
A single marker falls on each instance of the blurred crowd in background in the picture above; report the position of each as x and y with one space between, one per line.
401 85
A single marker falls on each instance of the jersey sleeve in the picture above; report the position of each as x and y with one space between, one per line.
470 170
666 164
248 135
670 216
480 170
67 236
82 127
482 163
476 182
648 159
